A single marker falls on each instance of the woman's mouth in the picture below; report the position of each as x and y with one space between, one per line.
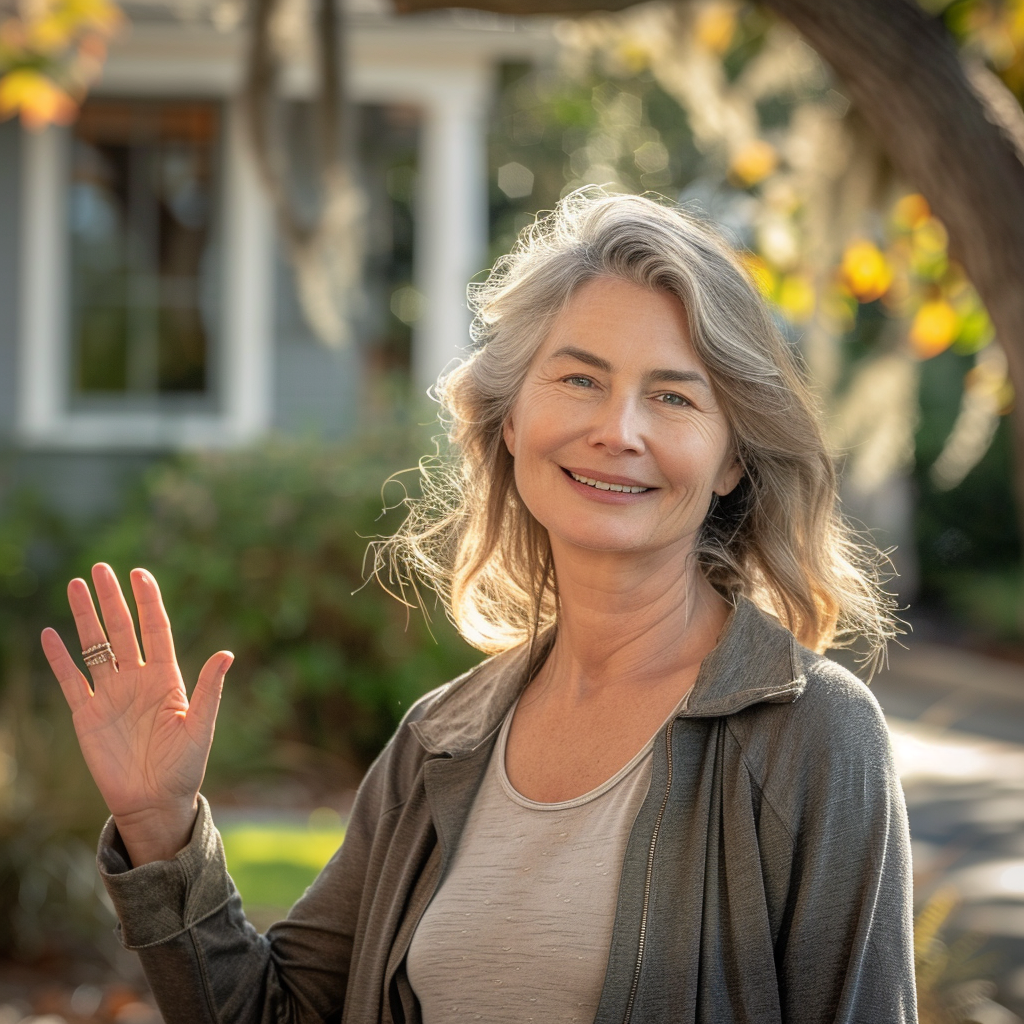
604 485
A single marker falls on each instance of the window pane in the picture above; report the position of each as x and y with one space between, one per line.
141 211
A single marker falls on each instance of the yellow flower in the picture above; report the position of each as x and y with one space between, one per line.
38 99
930 236
910 211
934 328
796 298
865 270
715 26
754 162
761 273
102 15
51 33
633 56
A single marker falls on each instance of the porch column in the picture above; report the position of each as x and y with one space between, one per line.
451 217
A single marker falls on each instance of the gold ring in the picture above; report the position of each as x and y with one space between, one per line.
98 654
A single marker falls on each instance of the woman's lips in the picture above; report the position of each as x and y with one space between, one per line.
607 487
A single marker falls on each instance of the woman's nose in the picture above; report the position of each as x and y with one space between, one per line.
618 426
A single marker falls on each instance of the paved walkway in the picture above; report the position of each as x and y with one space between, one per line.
957 722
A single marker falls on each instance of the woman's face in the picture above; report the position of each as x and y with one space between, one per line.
618 440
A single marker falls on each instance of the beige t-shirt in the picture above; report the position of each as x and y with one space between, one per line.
520 928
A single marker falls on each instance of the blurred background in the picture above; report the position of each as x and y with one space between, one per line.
235 239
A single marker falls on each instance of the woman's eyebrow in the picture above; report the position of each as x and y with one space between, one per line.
582 356
677 377
653 377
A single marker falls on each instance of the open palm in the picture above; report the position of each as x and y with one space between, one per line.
145 744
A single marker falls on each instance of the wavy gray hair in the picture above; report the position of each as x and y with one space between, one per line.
777 538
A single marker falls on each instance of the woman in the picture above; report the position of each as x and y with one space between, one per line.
653 803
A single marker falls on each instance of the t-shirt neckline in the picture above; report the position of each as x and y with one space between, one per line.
598 791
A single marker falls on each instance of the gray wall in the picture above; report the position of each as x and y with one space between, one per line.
316 389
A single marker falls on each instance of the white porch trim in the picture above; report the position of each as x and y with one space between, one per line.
451 201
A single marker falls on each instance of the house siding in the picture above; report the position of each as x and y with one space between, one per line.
317 389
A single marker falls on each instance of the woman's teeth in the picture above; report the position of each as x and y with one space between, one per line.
602 486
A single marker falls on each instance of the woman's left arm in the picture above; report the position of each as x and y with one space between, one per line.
845 954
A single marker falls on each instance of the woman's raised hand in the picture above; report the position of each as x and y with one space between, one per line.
144 742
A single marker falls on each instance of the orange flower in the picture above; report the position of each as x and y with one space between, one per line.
865 270
754 162
934 328
715 26
911 211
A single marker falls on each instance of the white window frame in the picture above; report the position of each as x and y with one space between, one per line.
244 352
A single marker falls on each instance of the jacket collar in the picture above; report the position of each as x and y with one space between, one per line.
755 661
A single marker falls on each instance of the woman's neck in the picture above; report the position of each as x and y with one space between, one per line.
642 619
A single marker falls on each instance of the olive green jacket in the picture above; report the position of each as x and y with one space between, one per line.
766 879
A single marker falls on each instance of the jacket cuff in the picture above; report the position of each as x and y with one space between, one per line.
158 901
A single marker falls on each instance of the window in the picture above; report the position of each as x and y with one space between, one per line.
147 222
141 210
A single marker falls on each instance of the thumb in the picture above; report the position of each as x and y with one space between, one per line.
202 709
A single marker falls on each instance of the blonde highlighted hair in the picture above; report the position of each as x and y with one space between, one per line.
777 538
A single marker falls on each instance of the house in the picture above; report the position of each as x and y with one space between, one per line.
145 305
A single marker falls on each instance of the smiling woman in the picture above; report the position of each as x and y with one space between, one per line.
777 536
596 422
658 801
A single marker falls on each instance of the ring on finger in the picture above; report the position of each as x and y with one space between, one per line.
98 654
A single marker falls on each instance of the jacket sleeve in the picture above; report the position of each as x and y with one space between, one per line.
845 952
203 959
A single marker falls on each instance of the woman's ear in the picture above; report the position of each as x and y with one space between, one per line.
730 476
508 431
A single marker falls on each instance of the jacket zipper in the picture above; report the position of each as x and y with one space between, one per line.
647 880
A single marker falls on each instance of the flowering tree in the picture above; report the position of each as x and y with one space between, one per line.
50 53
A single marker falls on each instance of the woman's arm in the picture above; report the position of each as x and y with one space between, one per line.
206 964
146 746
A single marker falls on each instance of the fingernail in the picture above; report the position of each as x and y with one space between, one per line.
227 661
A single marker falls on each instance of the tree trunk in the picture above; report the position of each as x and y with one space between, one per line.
955 133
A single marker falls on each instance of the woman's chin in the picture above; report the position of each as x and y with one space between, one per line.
604 543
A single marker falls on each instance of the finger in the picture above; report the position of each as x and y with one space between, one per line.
157 642
90 632
116 615
202 710
77 690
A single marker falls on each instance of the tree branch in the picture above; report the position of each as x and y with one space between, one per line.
325 250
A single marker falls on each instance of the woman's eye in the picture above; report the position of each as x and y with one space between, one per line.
670 398
578 381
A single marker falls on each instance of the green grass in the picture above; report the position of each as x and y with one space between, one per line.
272 864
